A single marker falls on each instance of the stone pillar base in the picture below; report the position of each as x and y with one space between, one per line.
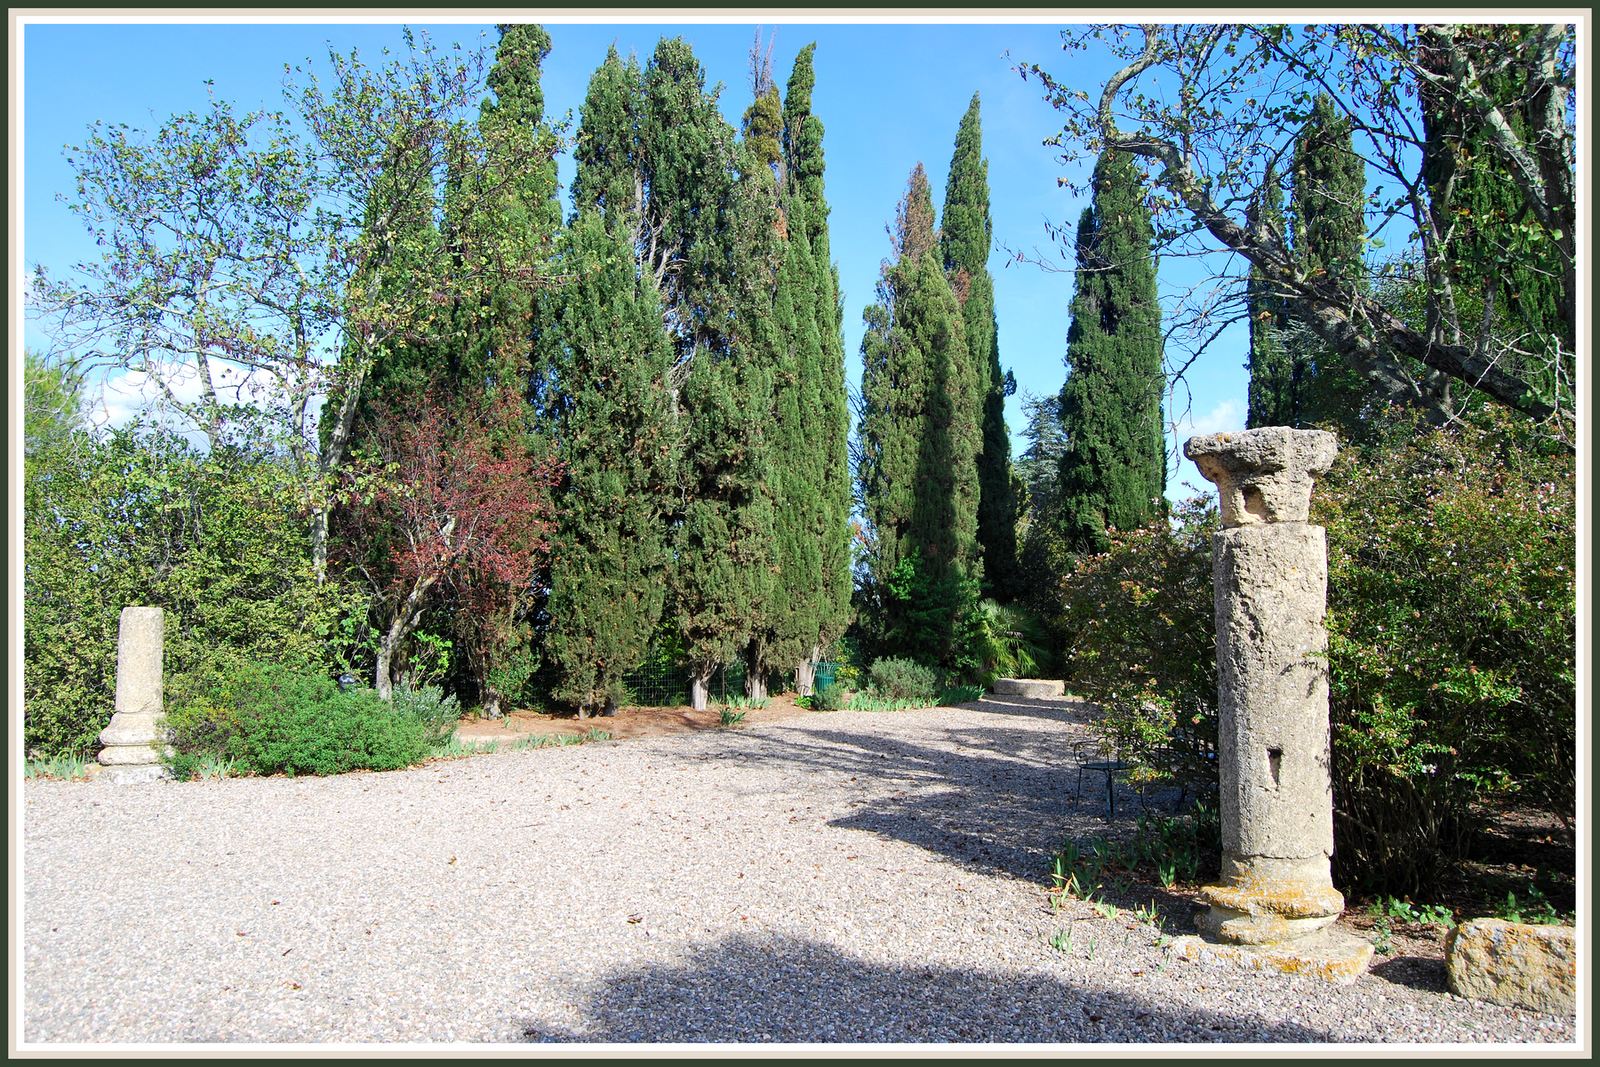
136 774
1264 911
1331 955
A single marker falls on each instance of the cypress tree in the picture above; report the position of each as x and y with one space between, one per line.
1275 377
1480 213
793 624
920 441
685 160
1113 472
606 358
828 422
512 221
1327 201
607 146
723 236
965 240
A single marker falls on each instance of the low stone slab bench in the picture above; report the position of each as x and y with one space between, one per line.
1030 688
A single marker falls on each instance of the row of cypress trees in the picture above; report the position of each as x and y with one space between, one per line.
937 488
676 344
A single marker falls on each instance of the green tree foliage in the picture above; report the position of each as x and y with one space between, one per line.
503 223
724 231
1499 265
142 517
607 149
51 405
920 439
1209 165
1139 635
1275 378
1452 622
1042 555
1327 200
1113 473
605 359
828 423
684 157
965 239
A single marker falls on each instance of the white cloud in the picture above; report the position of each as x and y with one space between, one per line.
1187 482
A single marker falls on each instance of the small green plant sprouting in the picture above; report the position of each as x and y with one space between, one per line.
729 717
1537 911
1149 913
214 766
1405 911
65 768
1089 947
742 703
1106 909
1062 941
1381 943
960 694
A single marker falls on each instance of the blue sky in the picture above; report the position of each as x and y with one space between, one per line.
888 95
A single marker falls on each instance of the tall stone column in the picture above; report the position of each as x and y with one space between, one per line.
1270 576
131 752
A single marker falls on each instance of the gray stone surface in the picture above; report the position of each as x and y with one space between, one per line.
1272 735
139 645
1515 964
1263 475
130 738
1270 581
1030 688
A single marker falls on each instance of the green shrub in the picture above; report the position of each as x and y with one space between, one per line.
902 679
828 697
1452 640
219 540
428 704
269 719
1140 642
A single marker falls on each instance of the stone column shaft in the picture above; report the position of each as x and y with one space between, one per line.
1270 577
130 739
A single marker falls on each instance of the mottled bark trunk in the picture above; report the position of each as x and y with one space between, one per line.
805 673
699 691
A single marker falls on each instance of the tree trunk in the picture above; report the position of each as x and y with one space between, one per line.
699 686
331 460
755 684
805 673
610 709
489 707
405 621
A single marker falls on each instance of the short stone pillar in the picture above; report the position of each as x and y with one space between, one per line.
132 752
1270 577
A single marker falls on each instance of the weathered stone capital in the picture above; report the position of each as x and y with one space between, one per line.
1263 475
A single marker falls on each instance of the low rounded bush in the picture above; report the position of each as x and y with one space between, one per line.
902 679
828 697
270 719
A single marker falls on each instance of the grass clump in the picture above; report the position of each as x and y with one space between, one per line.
63 768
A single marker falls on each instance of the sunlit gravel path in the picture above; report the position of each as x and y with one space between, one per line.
836 877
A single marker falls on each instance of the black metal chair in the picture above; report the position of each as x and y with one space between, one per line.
1091 755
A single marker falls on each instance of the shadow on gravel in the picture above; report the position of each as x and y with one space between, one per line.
994 800
788 989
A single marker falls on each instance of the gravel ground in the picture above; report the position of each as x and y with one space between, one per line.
839 877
